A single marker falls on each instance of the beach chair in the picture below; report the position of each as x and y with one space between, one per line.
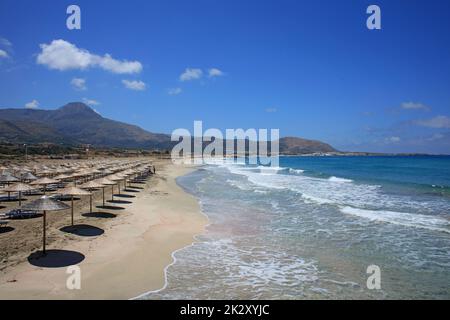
3 223
5 198
61 197
22 214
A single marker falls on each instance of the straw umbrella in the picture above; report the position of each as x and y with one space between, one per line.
45 204
2 169
73 191
119 176
127 173
28 176
44 182
105 182
85 173
91 185
62 177
19 187
8 178
116 178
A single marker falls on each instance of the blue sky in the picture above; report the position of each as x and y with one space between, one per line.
310 68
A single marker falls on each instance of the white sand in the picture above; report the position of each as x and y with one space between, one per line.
129 258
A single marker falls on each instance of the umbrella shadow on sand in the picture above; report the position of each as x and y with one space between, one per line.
119 201
6 229
83 230
124 195
99 214
111 207
55 258
132 190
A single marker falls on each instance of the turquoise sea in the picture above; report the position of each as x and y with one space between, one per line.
309 229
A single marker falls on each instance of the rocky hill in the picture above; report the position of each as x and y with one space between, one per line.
76 123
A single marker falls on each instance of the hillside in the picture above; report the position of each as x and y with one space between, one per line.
292 145
76 123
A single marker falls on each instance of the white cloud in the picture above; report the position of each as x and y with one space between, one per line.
393 140
271 110
174 91
3 54
91 102
414 106
436 136
134 85
191 74
32 105
78 84
214 72
62 55
5 42
436 122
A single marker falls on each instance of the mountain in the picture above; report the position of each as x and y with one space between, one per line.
76 123
292 145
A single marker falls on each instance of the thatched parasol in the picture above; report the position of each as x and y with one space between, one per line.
19 187
91 185
105 182
8 178
116 178
44 182
128 173
45 204
62 176
73 191
28 176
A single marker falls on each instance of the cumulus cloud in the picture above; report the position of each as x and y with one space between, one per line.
134 85
78 84
436 136
214 72
90 102
5 42
6 48
62 55
3 54
392 139
32 105
414 106
174 91
191 74
436 122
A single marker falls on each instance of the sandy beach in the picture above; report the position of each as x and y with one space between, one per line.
128 256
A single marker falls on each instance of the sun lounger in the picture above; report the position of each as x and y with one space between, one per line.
22 214
6 198
50 187
3 223
61 197
32 192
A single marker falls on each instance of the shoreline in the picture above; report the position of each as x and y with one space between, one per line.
131 258
173 254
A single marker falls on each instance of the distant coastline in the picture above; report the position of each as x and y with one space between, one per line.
365 154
